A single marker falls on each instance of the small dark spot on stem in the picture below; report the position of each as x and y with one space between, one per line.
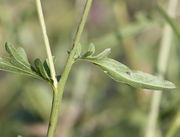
129 73
68 52
50 124
58 77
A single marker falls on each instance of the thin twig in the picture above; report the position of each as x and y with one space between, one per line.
59 88
46 41
174 126
162 65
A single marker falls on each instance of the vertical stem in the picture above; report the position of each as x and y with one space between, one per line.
174 126
162 65
46 41
54 114
70 60
128 44
153 115
58 92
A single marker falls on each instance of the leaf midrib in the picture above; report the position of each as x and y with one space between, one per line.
128 80
18 68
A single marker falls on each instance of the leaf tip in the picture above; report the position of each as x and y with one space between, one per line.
108 49
7 46
170 85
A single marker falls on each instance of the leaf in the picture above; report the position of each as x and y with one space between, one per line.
23 55
40 68
121 73
18 63
10 65
46 67
103 54
18 55
90 51
78 51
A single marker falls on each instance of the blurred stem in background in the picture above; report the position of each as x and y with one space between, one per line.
162 65
174 126
122 18
76 103
169 20
128 44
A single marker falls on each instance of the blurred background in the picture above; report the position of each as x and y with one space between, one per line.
93 104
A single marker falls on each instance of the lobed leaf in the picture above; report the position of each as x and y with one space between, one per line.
23 55
40 69
19 55
10 65
121 73
18 63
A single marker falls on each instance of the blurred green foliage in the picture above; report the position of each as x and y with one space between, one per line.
93 104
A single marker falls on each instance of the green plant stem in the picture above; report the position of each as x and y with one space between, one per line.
46 41
54 114
162 65
171 22
57 98
174 126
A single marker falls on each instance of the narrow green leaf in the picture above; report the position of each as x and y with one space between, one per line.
18 56
6 65
78 51
40 68
18 63
10 65
46 67
23 55
103 54
90 51
121 73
